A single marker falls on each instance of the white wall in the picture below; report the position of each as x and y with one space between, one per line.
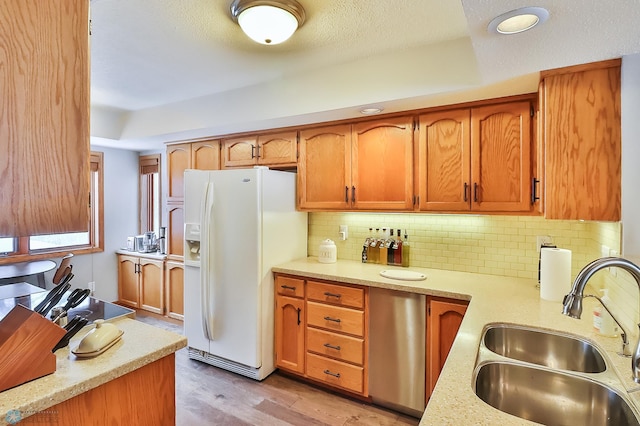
120 221
630 155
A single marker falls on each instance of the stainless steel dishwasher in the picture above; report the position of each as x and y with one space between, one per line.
397 327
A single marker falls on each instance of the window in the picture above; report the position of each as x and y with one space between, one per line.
150 193
79 242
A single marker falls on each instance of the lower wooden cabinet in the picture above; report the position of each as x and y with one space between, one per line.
174 289
141 283
290 329
154 285
444 317
321 332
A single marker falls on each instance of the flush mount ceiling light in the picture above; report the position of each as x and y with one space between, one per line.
268 21
519 20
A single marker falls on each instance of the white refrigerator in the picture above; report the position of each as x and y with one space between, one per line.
238 224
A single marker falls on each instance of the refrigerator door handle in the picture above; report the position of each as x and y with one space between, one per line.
206 251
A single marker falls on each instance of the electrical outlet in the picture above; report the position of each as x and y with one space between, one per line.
92 286
344 232
543 240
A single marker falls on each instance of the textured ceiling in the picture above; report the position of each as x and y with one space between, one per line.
165 70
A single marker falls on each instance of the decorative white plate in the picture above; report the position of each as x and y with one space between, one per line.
401 274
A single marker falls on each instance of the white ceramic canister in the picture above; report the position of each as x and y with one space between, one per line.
328 252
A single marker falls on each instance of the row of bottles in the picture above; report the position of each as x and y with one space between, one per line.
385 249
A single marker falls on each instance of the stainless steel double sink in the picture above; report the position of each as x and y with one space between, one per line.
549 377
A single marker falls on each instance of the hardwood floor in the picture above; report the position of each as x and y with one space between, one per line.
206 395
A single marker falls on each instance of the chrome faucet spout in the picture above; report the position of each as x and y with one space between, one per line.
572 303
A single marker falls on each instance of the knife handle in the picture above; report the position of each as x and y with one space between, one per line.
72 331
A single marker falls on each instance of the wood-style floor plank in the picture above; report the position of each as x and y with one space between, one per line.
206 395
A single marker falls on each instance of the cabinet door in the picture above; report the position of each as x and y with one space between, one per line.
444 161
240 152
152 285
382 165
289 333
582 132
175 231
324 168
443 321
44 104
278 148
128 290
205 155
501 157
174 290
178 160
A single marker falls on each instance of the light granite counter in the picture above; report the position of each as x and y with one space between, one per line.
492 299
141 344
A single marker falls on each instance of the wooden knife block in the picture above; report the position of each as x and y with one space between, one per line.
26 342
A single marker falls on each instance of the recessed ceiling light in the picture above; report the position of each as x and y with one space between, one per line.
373 110
518 20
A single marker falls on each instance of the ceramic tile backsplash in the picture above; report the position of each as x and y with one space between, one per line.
499 245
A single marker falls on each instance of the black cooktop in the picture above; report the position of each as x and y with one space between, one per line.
90 308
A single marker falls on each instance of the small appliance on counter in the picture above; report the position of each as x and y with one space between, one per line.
162 240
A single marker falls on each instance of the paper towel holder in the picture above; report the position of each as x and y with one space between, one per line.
544 245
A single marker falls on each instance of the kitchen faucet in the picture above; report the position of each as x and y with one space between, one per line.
572 303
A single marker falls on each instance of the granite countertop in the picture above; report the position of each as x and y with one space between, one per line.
156 255
74 376
492 299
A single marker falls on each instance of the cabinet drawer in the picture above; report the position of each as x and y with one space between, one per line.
335 294
336 373
335 345
335 318
288 286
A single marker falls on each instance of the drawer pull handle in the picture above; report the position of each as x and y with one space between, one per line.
288 287
330 346
332 319
332 374
299 310
336 295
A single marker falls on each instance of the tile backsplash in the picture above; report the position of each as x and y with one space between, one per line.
498 245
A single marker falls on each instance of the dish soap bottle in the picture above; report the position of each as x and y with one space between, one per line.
602 320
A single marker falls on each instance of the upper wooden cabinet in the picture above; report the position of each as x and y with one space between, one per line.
44 111
444 160
273 149
205 155
476 159
202 155
324 168
365 166
582 142
382 164
178 160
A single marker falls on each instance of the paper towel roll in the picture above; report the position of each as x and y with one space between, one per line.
555 273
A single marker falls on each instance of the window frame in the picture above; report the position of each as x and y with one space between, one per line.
96 239
148 198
